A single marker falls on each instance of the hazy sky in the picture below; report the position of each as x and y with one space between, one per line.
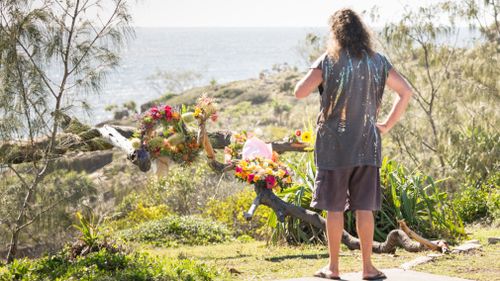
257 12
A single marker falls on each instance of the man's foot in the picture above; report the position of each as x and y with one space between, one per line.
373 274
326 272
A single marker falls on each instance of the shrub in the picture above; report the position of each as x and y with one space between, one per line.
480 200
411 196
175 230
93 257
230 212
419 200
186 190
105 265
132 213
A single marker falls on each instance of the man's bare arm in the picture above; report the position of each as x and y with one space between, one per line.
398 84
309 83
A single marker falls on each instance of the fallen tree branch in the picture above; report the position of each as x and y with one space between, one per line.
396 238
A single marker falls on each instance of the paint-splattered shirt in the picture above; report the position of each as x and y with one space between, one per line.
351 94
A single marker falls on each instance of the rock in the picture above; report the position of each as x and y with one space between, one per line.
419 260
119 115
467 247
493 240
88 162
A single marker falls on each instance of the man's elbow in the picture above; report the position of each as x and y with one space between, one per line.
299 92
407 94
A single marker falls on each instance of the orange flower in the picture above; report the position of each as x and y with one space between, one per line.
176 116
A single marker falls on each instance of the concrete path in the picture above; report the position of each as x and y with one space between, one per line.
395 274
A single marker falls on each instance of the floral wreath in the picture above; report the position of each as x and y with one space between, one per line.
163 130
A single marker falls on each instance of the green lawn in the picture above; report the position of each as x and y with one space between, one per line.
258 261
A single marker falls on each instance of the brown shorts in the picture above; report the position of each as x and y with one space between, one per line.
352 188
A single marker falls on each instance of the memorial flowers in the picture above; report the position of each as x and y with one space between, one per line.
300 137
264 172
163 132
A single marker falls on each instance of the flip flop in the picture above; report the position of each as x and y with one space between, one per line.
379 276
323 274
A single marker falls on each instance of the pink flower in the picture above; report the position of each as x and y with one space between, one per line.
250 178
155 113
239 169
214 117
270 181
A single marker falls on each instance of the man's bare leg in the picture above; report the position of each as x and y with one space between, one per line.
365 228
334 228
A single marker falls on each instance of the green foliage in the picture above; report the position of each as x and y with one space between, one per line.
417 199
480 200
138 214
230 212
186 190
409 196
293 230
479 153
88 228
66 189
175 230
105 265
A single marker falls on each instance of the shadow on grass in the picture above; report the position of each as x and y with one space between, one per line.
282 258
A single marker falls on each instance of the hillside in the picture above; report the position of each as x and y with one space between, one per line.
266 103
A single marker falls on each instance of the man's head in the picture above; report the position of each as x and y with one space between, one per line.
349 33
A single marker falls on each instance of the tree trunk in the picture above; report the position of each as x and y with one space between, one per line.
13 245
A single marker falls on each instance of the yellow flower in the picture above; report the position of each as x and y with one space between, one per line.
256 178
306 136
197 112
281 173
269 171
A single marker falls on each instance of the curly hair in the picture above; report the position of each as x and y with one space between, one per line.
348 33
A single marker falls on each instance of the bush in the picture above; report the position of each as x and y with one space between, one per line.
132 213
409 196
105 265
186 190
230 212
480 201
175 230
419 200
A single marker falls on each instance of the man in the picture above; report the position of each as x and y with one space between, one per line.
351 78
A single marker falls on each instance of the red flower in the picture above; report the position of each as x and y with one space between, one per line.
298 133
155 113
250 178
270 181
239 169
168 112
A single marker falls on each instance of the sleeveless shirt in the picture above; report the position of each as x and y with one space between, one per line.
351 94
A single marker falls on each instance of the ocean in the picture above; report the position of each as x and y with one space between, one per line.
220 54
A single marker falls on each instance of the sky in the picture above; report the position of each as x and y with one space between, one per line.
243 13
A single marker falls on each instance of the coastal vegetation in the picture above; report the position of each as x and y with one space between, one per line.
440 174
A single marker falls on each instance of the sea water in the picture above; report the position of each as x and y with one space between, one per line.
218 54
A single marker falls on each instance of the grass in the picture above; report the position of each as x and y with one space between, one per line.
258 261
481 265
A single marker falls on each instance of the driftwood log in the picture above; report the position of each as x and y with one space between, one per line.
396 238
108 136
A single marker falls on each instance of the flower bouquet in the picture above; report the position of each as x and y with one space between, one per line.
233 151
263 172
